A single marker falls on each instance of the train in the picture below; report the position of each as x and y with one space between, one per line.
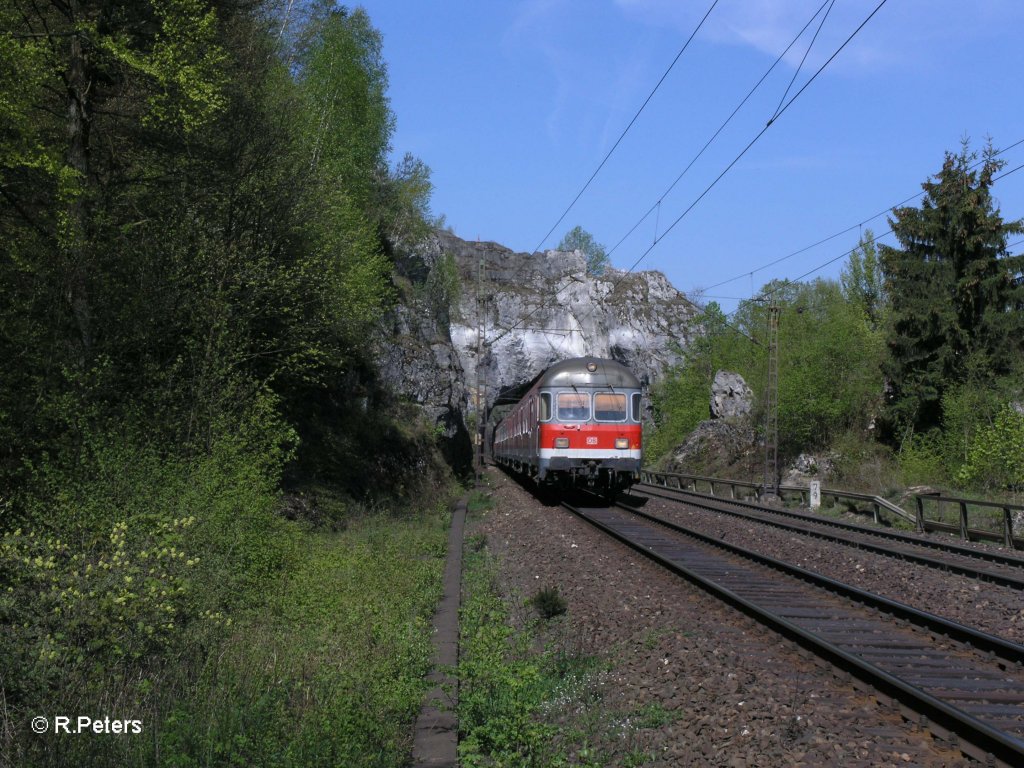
579 424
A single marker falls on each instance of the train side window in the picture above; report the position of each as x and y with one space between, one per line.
636 406
609 406
545 406
573 406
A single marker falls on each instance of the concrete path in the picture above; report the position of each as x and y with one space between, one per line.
436 740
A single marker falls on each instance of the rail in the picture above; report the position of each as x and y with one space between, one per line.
994 521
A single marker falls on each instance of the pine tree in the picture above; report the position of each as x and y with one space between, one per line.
956 295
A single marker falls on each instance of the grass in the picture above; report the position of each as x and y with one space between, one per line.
520 706
331 671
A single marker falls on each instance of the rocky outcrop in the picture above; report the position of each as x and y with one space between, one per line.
500 318
719 448
519 312
725 445
417 361
730 396
807 467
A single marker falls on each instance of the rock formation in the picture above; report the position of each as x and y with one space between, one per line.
518 313
725 445
514 314
730 396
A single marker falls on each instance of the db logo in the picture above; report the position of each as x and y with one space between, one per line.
591 441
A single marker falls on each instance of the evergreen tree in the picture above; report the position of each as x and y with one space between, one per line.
955 293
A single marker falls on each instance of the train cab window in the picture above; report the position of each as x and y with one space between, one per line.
545 406
636 407
609 406
573 406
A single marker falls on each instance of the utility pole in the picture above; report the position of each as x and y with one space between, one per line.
771 403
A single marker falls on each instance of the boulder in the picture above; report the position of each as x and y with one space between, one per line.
730 396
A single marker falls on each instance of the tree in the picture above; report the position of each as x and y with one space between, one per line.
578 239
862 280
956 296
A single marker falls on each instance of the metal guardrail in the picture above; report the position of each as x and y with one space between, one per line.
879 508
999 516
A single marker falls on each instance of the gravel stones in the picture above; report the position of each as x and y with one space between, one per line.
988 607
691 681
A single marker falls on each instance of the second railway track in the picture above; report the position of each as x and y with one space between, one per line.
989 566
966 686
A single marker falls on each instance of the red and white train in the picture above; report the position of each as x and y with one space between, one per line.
579 423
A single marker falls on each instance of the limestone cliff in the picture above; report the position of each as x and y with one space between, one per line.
529 311
515 314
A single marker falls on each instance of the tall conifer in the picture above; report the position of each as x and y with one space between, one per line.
956 294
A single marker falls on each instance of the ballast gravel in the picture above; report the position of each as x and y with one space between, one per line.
989 607
725 690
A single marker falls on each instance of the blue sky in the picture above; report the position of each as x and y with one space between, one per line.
514 104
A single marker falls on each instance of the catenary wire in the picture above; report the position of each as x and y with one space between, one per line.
626 130
756 138
721 128
753 141
858 225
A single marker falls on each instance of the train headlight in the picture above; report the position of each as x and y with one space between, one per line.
561 442
622 443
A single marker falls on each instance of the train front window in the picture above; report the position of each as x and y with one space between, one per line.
573 406
609 406
636 406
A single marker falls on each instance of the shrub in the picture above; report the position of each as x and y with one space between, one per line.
548 603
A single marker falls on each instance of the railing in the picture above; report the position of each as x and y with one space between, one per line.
992 520
988 524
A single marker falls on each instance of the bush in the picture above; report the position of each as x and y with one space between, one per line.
332 670
126 570
548 603
995 457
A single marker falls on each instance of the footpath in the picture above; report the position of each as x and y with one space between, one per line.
436 739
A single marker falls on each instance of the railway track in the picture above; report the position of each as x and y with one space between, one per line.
965 686
989 566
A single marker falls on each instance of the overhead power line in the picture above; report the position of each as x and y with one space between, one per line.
626 129
888 232
858 225
605 160
756 138
715 135
729 167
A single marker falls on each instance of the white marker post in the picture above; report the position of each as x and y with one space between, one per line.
815 494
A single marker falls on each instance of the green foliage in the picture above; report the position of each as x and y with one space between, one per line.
995 455
125 560
955 300
681 400
347 122
332 670
578 239
501 686
194 247
549 603
828 368
518 707
443 288
829 378
922 459
862 280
